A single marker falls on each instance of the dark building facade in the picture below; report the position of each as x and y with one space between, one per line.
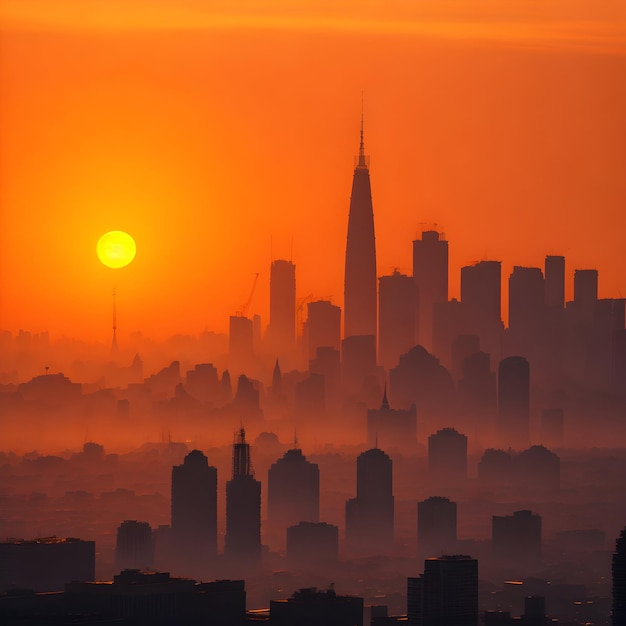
293 491
134 548
436 527
370 516
618 570
282 327
392 428
514 402
360 269
312 545
194 512
446 594
447 456
322 328
516 541
310 607
242 545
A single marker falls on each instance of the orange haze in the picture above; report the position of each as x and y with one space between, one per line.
219 137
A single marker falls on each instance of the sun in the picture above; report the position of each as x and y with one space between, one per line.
116 249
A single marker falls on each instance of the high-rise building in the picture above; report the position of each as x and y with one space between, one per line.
358 362
293 492
554 271
526 302
312 545
516 541
514 402
134 547
370 516
322 328
360 269
430 273
242 545
194 512
46 564
446 594
447 456
586 292
618 570
481 296
396 317
240 340
282 326
436 527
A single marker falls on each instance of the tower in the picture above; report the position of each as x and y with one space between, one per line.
554 271
360 269
430 273
447 456
445 594
436 527
514 401
516 541
618 569
134 549
243 509
293 491
194 511
370 516
282 326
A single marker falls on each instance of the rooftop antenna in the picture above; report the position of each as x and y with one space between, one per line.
362 144
114 341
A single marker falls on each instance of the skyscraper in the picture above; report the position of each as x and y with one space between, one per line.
436 527
194 511
322 328
243 510
446 594
134 549
360 269
516 541
447 456
397 314
282 326
619 580
554 271
293 491
430 273
370 516
514 401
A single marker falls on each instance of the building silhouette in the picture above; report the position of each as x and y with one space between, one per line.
481 296
516 541
310 607
430 273
447 456
392 428
554 272
293 492
618 570
134 547
194 512
514 402
358 363
360 269
585 293
240 340
436 527
397 312
370 516
282 327
242 545
495 467
46 564
312 545
446 594
322 328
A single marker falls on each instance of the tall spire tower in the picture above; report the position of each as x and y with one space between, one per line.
360 275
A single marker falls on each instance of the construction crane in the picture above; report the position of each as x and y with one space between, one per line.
246 305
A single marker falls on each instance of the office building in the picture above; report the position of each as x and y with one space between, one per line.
554 271
310 607
194 512
618 570
516 541
370 516
392 428
312 545
282 327
447 456
242 547
46 564
360 269
430 273
322 328
436 527
446 594
134 548
396 318
514 402
293 491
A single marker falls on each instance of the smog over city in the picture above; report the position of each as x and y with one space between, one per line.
313 313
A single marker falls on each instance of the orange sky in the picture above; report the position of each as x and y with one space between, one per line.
208 133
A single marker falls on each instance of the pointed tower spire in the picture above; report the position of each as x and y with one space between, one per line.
385 404
362 162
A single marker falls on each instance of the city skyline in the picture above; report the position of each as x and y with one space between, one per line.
197 170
